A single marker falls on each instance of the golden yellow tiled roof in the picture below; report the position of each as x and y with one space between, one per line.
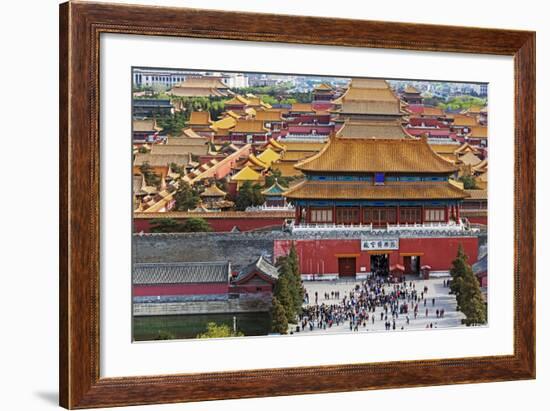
287 169
377 155
277 145
463 120
478 132
256 162
183 140
445 148
249 126
373 83
145 125
467 147
202 82
246 174
231 113
297 155
268 156
213 191
224 124
250 111
481 166
238 100
200 118
269 115
177 149
253 100
344 190
411 90
323 87
470 159
369 129
161 160
477 194
369 94
474 109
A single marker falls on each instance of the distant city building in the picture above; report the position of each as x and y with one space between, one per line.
151 77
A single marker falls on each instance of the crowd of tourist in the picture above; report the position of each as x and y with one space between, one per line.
373 300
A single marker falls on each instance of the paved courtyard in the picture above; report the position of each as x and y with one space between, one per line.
443 300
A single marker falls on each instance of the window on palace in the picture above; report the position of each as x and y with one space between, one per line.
379 216
434 214
410 215
347 215
321 215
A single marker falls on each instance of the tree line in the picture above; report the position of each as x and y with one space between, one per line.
288 294
465 286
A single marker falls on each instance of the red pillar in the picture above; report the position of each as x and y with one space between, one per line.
447 213
297 214
422 214
334 214
457 213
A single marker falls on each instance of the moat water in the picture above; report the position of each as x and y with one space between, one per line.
189 326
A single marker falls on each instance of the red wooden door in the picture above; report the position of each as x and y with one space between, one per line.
346 266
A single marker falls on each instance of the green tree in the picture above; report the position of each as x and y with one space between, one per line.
457 273
465 286
165 225
283 292
249 195
214 330
469 182
186 197
297 289
279 322
151 178
195 225
172 124
276 175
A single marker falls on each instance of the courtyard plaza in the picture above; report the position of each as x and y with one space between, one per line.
436 297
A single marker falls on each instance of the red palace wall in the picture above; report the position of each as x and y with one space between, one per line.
179 289
224 224
478 220
321 256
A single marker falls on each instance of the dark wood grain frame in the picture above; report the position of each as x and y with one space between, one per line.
80 27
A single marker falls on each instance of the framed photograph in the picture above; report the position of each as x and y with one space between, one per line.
259 205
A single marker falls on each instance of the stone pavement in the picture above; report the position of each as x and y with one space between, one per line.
436 290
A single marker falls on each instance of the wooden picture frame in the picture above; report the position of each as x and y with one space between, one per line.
80 27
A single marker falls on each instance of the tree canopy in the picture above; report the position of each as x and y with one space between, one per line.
249 195
289 291
186 197
465 286
214 330
469 182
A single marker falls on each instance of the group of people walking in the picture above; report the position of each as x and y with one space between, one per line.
374 299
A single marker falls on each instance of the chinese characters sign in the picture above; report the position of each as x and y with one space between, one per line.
379 244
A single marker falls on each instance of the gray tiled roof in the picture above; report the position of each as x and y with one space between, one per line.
177 273
260 265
